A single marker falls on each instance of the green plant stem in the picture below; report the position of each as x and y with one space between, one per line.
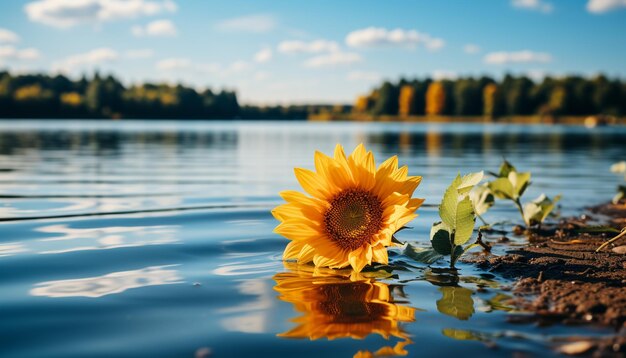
479 241
612 240
483 220
521 210
452 260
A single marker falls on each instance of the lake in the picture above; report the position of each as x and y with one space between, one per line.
140 238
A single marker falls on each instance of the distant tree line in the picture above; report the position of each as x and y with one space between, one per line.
572 95
44 96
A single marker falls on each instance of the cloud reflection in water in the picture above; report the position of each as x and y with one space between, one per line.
115 282
104 238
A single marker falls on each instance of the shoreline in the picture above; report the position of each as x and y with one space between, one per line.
560 279
588 121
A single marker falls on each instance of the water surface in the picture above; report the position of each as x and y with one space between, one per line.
155 239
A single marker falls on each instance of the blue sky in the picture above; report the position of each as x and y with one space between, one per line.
314 51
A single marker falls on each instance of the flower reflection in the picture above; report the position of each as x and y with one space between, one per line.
337 306
115 282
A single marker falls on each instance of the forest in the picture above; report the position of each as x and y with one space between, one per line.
519 96
46 96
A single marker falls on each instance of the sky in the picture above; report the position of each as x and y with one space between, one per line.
294 52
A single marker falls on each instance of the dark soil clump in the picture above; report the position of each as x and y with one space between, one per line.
562 279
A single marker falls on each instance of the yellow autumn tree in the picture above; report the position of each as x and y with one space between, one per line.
406 100
493 102
489 99
361 105
435 99
28 93
71 99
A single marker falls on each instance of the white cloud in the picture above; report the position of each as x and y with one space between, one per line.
317 46
88 59
378 36
333 59
8 36
444 75
602 6
68 13
250 23
263 55
185 64
139 53
535 5
364 76
12 53
173 64
262 76
536 75
435 44
471 49
526 56
238 66
157 28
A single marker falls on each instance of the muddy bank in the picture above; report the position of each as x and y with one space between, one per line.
561 279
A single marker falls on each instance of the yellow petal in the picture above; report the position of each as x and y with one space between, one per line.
292 250
323 261
292 196
340 156
400 174
312 183
402 221
306 254
295 231
358 154
387 168
414 203
410 185
357 259
380 255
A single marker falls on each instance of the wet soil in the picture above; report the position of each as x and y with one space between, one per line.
561 279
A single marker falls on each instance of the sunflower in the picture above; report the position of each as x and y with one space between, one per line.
352 212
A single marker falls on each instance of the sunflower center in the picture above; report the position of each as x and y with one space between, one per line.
353 218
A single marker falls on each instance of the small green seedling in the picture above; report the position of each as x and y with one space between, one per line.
538 210
511 185
620 168
458 217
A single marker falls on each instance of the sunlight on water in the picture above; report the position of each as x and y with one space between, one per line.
155 239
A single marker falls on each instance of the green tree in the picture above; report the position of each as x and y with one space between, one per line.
387 101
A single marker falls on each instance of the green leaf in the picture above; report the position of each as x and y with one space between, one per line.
423 255
499 303
456 302
502 188
538 210
482 198
465 221
469 181
520 182
505 169
461 334
598 229
447 209
440 238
